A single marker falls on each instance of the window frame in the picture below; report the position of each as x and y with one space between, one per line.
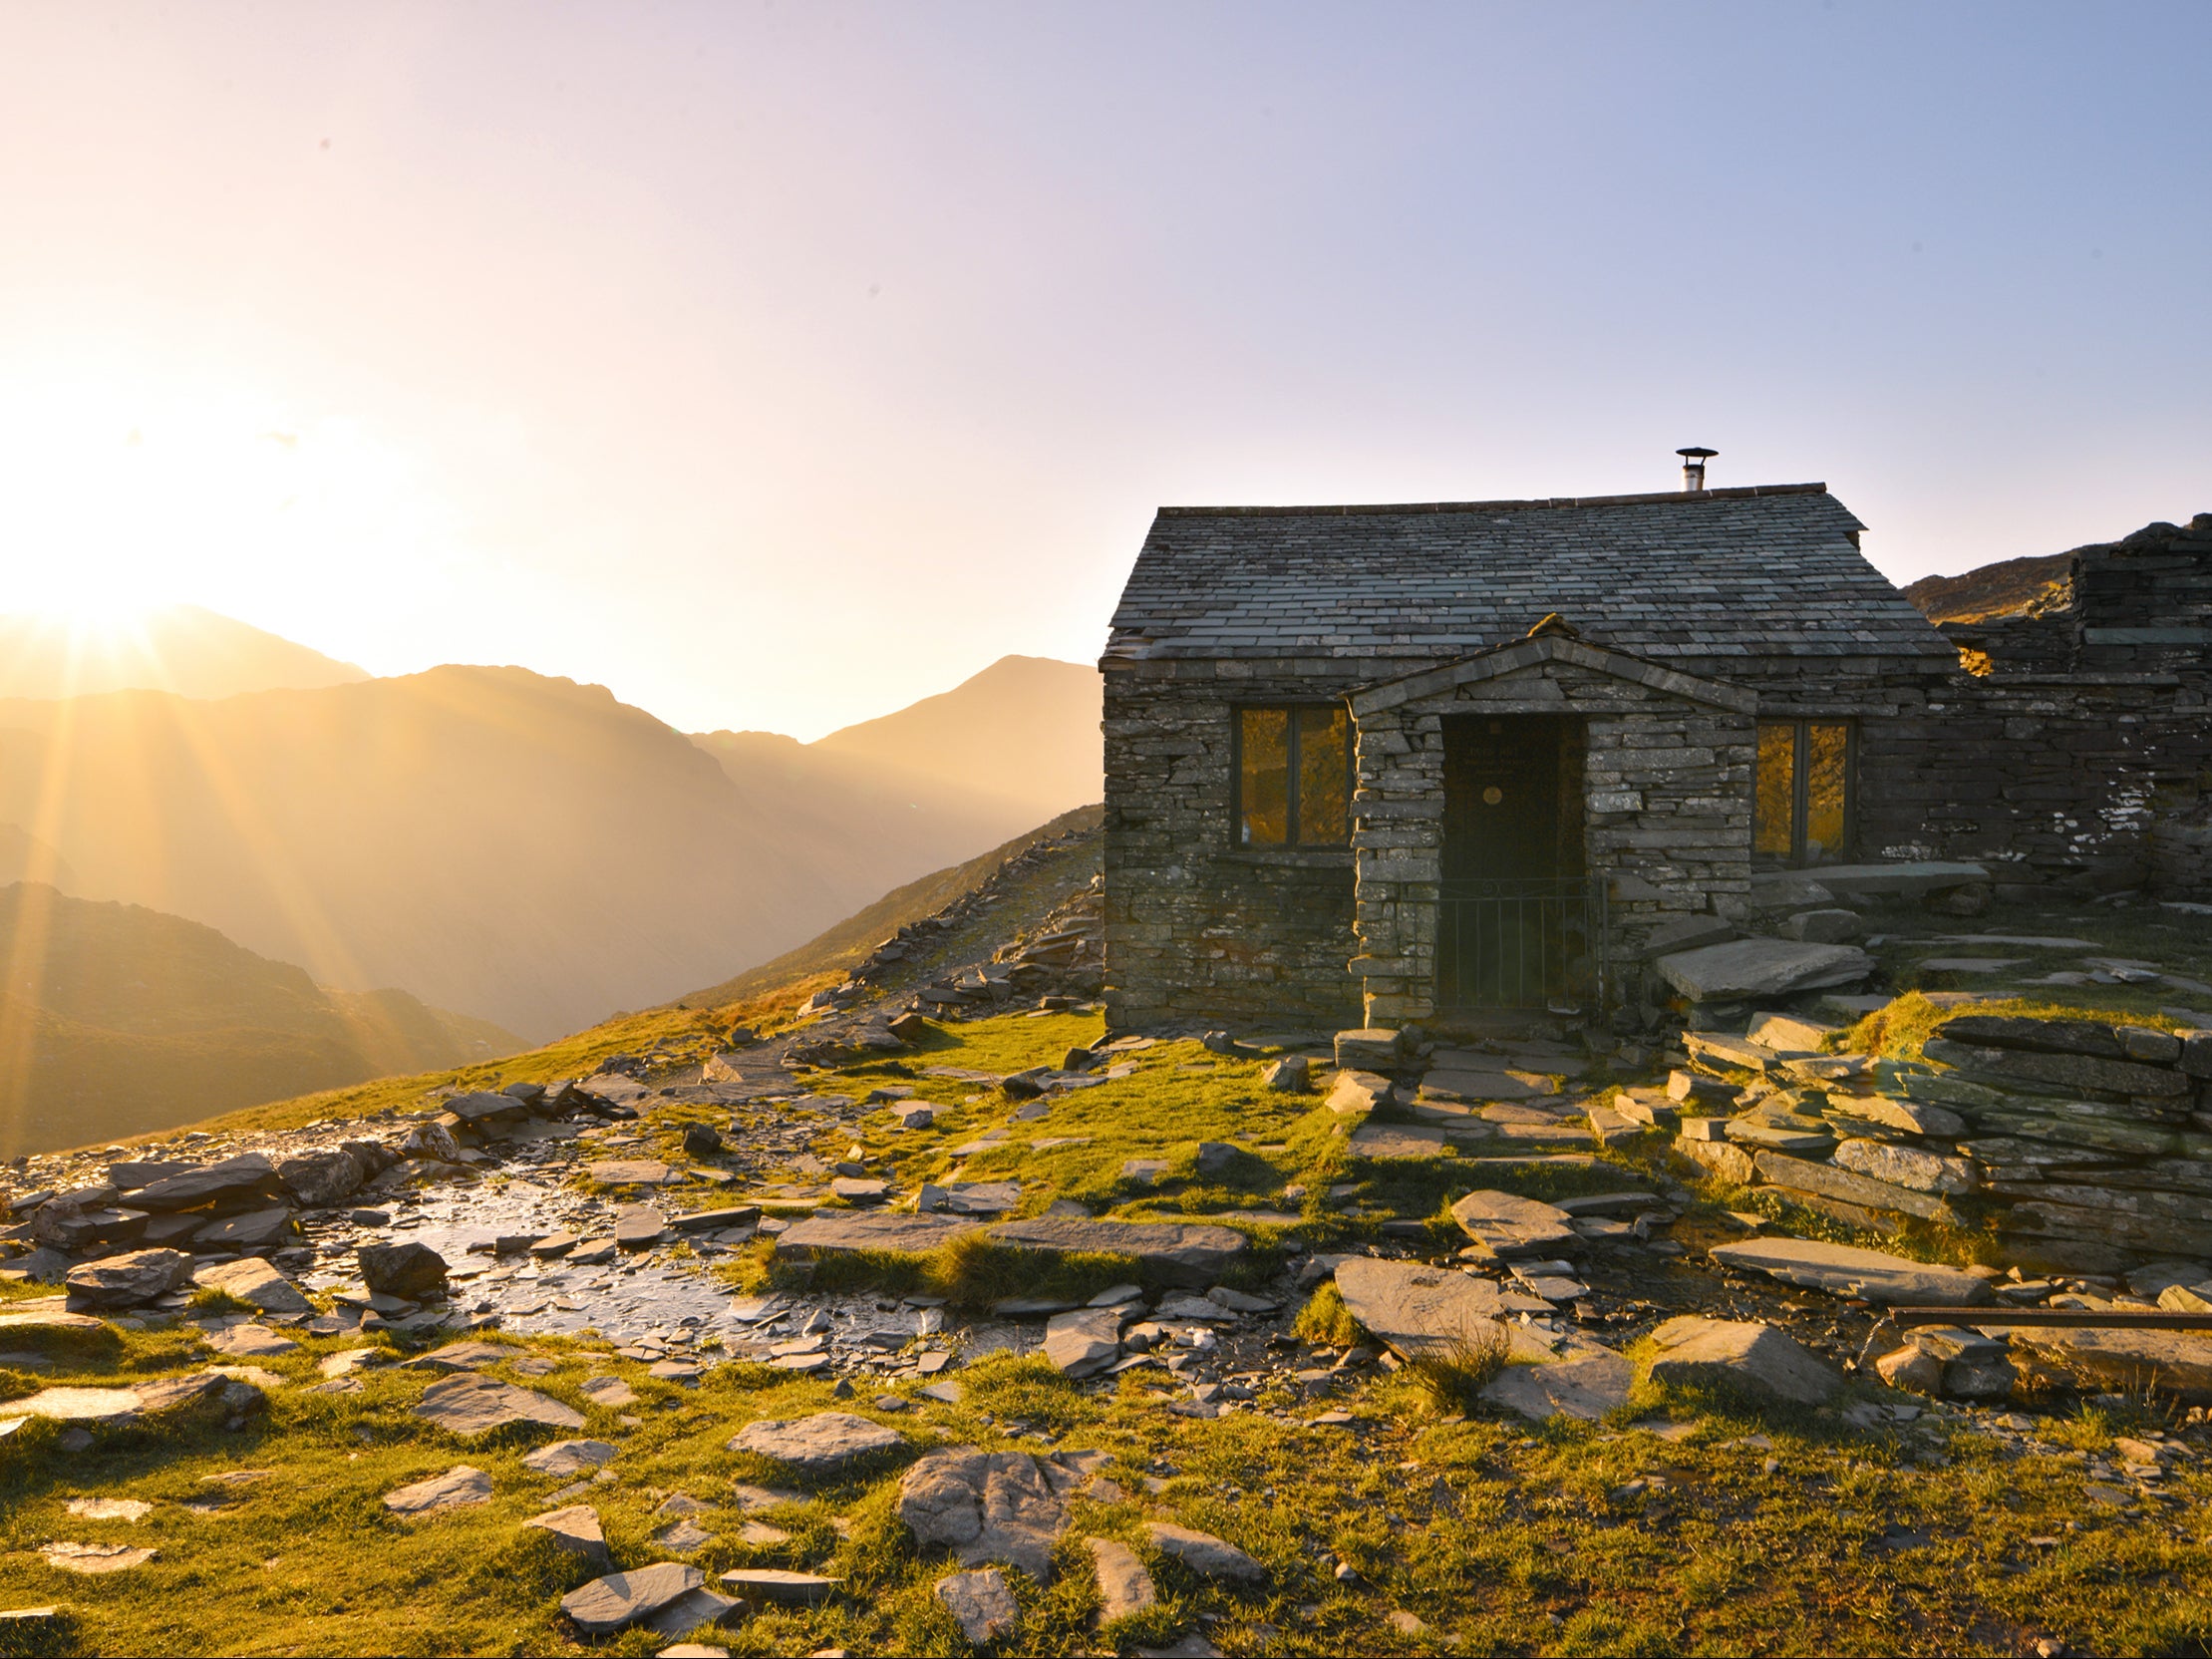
1291 802
1800 790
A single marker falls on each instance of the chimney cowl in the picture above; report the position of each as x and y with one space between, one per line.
1692 465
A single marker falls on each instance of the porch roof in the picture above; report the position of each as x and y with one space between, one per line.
1768 571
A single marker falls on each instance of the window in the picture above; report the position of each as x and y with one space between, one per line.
1294 776
1801 810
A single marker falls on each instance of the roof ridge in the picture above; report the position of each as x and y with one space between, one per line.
1735 493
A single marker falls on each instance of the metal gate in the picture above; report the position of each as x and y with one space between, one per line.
1530 943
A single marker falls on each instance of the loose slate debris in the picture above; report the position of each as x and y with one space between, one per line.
128 1281
1084 1342
820 1445
1845 1270
471 1405
456 1489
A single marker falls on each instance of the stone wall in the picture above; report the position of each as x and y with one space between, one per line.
1198 930
1666 801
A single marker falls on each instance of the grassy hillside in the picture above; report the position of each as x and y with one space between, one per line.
842 946
117 1020
1992 590
1024 731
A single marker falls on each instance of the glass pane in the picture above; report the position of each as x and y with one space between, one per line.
1774 791
1263 792
1827 751
1322 770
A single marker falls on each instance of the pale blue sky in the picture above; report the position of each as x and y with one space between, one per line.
775 365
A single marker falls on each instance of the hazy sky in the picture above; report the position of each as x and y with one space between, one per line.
775 365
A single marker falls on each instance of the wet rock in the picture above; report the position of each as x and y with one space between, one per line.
1585 1385
1753 968
322 1178
982 1603
234 1179
1846 1270
820 1445
469 1405
1125 1585
608 1604
412 1271
1752 1357
833 1232
1085 1342
984 1507
788 1590
568 1457
1206 1554
1510 1227
1176 1253
576 1530
456 1489
253 1232
251 1280
128 1281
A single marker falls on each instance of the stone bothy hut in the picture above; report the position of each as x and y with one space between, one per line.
1378 765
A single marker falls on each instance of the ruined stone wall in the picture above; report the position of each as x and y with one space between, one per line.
1197 929
2080 756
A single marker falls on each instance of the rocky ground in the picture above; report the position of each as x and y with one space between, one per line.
940 1319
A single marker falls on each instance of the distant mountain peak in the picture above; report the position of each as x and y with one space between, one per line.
186 650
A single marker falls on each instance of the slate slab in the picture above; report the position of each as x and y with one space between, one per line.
1743 1354
471 1405
1847 1270
454 1489
1185 1253
1511 1225
250 1232
982 1603
788 1590
569 1456
1831 1180
1084 1341
93 1558
1762 968
251 1342
834 1232
1907 1166
1125 1585
249 1175
1381 1142
577 1531
984 1507
1585 1385
1417 1309
1206 1554
2179 1362
462 1356
608 1604
639 1228
253 1281
128 1281
820 1445
629 1171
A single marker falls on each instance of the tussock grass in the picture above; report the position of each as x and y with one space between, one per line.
1454 1376
1326 1321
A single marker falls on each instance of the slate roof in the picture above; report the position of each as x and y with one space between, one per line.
1748 572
